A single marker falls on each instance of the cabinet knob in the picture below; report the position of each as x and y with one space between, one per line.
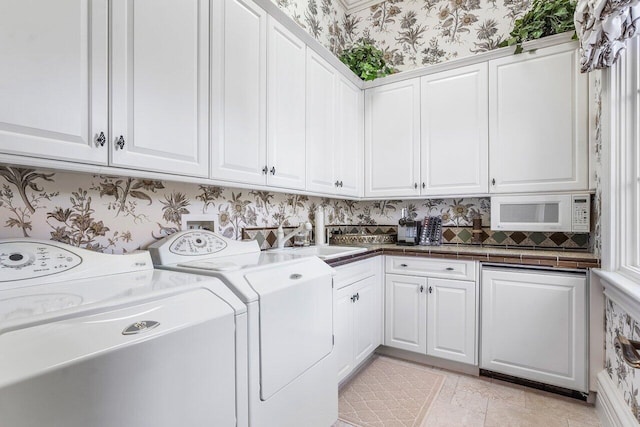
337 184
353 298
404 265
430 289
273 170
415 185
265 170
101 139
358 296
120 142
493 181
424 185
340 184
421 289
449 268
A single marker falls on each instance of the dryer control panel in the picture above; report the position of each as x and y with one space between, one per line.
20 260
194 243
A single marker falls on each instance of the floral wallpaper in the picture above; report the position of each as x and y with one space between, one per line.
415 33
411 33
323 19
627 379
120 214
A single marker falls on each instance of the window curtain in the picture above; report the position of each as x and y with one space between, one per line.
602 27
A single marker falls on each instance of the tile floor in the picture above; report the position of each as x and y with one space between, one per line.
479 401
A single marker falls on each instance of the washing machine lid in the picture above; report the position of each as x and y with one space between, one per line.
35 348
35 304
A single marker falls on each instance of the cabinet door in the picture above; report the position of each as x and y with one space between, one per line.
286 108
343 330
392 140
451 320
366 318
160 85
349 154
538 121
534 326
455 134
53 79
321 104
238 137
406 312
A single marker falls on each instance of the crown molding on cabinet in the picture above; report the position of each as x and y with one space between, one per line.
276 13
352 6
529 46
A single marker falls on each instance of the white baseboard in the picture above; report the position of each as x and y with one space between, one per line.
610 405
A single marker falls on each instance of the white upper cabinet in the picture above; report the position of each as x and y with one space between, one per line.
321 124
53 79
238 144
455 117
392 139
334 131
160 85
286 61
349 146
538 121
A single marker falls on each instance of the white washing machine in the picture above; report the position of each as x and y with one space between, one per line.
89 339
292 371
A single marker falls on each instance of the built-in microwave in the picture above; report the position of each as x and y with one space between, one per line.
554 212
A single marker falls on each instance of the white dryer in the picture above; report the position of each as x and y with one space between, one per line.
89 339
292 371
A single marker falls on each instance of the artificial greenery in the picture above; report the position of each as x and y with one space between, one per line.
366 60
545 18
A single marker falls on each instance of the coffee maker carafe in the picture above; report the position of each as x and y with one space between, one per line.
408 229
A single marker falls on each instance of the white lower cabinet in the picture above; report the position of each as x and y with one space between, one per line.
357 311
436 316
406 312
534 326
451 320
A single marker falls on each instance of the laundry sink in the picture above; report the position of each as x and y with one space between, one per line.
322 252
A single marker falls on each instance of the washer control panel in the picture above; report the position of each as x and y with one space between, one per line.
195 243
27 260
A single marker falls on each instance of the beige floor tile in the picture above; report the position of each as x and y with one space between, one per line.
506 392
448 389
503 414
470 400
573 423
575 410
444 414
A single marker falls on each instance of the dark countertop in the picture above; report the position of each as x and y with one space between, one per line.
537 257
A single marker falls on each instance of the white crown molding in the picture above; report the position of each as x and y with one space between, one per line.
352 6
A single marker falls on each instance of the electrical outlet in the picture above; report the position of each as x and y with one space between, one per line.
198 222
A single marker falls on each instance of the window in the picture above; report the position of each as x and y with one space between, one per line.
623 200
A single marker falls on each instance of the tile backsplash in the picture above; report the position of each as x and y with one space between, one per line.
120 214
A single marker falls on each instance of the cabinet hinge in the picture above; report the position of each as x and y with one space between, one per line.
333 340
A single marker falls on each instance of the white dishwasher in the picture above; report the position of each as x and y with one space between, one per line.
89 339
534 325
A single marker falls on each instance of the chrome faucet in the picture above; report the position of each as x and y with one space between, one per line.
281 238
